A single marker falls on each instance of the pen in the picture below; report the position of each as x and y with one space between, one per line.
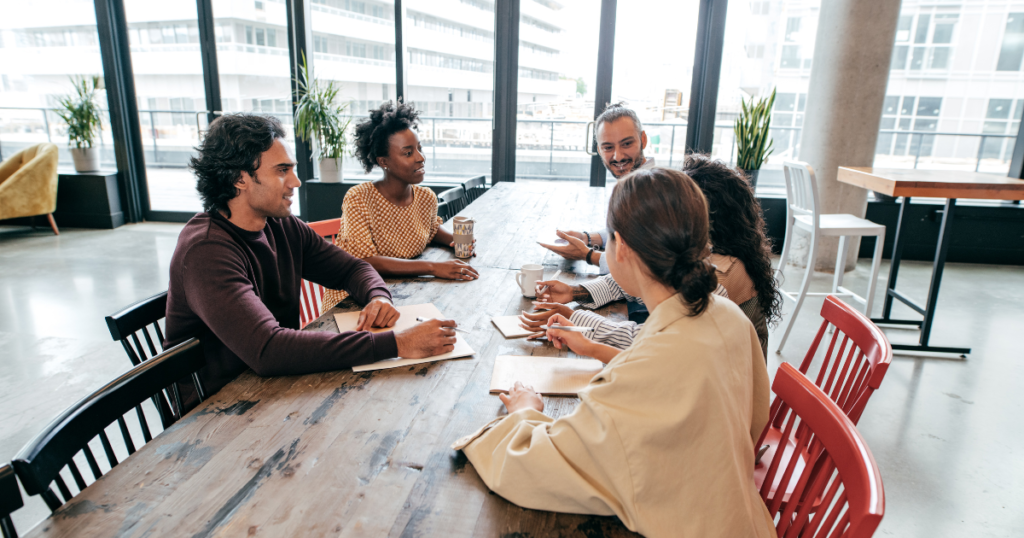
421 318
568 328
545 288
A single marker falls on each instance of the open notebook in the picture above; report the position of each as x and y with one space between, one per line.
348 320
509 327
553 376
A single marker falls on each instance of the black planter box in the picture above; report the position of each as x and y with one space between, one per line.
89 200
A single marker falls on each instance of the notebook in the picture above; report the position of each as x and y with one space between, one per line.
348 320
552 376
509 327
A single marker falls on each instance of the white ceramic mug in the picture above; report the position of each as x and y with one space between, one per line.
527 279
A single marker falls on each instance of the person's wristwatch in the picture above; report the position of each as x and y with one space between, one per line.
589 253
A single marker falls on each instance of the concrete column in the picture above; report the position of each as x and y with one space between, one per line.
849 75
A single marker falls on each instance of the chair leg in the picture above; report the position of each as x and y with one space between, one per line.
876 262
837 278
53 223
786 242
803 292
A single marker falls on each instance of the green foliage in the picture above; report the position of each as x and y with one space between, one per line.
753 141
317 117
581 86
81 112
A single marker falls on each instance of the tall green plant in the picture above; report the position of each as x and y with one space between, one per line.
753 141
317 117
81 112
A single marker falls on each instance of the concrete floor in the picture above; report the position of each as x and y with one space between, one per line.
941 429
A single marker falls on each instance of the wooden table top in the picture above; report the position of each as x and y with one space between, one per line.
367 454
933 183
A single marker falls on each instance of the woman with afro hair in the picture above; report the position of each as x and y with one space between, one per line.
392 220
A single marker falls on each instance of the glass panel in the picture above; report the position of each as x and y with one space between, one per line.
787 32
939 58
1012 51
888 123
899 57
917 58
908 106
921 36
903 28
354 45
654 48
556 88
999 108
168 73
994 127
449 73
929 106
891 104
43 45
944 25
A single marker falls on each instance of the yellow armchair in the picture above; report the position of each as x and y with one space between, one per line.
28 184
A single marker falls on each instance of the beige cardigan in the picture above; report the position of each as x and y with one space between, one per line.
663 437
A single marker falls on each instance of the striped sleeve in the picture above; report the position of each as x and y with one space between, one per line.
618 334
604 290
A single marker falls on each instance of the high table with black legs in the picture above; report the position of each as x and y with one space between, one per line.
907 184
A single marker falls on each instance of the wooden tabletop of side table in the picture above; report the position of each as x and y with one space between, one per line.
933 183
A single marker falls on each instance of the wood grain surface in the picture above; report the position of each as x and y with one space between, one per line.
344 454
933 183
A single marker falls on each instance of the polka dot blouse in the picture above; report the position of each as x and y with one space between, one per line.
373 226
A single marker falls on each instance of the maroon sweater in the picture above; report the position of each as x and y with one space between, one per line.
239 292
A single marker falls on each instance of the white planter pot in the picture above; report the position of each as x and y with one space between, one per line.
86 159
330 170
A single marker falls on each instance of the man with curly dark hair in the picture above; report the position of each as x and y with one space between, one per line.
390 221
237 269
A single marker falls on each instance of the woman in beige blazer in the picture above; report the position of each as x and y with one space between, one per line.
664 436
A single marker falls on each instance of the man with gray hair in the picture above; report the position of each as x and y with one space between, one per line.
620 144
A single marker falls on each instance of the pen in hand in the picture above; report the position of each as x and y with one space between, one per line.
421 318
555 277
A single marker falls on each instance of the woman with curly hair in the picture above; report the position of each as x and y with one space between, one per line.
390 221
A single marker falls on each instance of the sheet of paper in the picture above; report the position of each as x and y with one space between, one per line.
551 238
509 327
553 376
348 320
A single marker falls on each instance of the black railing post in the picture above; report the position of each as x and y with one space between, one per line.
399 54
208 50
603 83
506 85
707 68
299 36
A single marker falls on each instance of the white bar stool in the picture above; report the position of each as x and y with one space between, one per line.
803 211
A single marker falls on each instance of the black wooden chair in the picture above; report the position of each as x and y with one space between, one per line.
475 188
453 200
10 500
40 462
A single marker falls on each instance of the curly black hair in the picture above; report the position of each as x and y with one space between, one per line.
737 226
374 133
232 145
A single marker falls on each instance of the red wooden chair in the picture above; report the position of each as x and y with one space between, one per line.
313 294
850 372
841 494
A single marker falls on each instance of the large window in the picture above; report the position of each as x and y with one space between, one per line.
168 70
1012 51
354 45
654 50
924 41
449 76
768 45
557 69
42 49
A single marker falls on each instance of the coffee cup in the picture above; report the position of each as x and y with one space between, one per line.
527 279
463 234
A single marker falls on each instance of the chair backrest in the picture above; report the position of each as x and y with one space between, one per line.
313 294
475 188
10 500
851 369
43 459
454 200
840 460
801 189
126 326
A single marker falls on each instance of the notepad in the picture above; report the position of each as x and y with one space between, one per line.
509 327
552 376
348 320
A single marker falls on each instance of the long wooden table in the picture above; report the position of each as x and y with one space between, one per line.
946 184
344 454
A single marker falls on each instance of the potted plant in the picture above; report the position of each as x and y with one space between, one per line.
753 142
81 113
319 118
